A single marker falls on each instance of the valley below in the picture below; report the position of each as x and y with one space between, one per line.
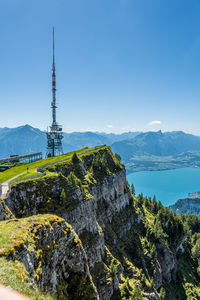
139 163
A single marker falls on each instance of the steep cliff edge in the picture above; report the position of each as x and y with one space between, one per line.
52 254
116 246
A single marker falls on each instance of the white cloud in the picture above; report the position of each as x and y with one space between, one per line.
109 126
154 123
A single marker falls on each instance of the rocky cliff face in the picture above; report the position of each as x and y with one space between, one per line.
110 249
87 209
52 254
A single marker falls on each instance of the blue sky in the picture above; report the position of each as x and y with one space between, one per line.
121 65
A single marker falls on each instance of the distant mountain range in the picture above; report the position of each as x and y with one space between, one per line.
139 151
27 139
157 144
21 140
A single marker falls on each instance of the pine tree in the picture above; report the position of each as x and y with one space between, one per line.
132 189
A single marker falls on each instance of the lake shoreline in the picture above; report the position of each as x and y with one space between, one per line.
167 185
130 171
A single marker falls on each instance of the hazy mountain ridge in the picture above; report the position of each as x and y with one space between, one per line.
27 139
158 144
139 151
21 140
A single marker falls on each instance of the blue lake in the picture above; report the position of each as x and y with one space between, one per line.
168 186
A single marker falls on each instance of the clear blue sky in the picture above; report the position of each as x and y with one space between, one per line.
120 64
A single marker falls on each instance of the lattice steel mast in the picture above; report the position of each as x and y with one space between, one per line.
54 133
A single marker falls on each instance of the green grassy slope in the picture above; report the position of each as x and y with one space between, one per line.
32 167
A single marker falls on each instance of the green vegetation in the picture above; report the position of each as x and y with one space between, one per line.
30 232
13 273
5 210
132 188
25 176
118 156
72 177
140 251
21 232
32 167
140 238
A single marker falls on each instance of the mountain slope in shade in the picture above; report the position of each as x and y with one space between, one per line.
158 144
21 140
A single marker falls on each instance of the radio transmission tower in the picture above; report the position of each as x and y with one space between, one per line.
54 132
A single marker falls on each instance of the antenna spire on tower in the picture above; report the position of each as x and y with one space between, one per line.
53 103
55 135
53 51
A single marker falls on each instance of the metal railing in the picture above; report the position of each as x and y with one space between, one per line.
37 155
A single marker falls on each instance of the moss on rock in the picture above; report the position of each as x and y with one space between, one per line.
44 243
